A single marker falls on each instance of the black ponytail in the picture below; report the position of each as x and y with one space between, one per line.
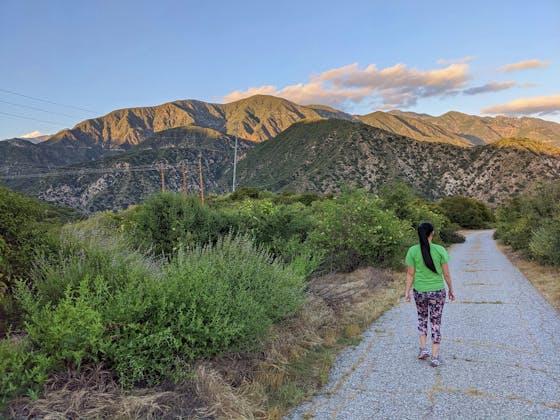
424 230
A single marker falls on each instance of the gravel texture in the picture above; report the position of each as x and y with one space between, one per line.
500 353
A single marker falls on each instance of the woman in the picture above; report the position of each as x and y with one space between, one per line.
426 262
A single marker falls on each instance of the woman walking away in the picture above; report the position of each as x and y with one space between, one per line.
426 263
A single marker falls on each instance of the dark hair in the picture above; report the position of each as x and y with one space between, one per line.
424 230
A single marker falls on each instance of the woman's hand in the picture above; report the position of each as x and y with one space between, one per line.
407 296
451 295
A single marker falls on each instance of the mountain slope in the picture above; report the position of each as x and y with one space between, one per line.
490 129
411 126
322 156
257 118
119 181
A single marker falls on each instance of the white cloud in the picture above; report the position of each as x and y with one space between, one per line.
393 87
541 105
31 135
522 65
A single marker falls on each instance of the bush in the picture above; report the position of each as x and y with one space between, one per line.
545 242
22 369
72 331
167 221
353 230
211 299
82 255
467 212
277 226
530 223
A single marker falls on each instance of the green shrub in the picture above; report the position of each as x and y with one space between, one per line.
545 242
22 369
276 226
167 221
83 254
467 212
72 331
211 299
353 230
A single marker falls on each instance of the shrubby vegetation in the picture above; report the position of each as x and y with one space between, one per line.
467 212
531 223
152 289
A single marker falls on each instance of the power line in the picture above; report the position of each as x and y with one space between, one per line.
48 102
38 109
30 118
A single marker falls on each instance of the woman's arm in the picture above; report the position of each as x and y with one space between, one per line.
409 281
447 277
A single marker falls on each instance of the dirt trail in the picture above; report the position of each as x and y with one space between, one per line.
500 351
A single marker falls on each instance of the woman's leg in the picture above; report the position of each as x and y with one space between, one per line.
421 299
435 303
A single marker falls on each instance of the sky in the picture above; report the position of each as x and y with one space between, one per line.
66 61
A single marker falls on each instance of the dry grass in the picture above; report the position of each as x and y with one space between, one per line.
543 277
292 364
92 393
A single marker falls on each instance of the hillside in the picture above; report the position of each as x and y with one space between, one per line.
410 125
490 129
119 181
324 155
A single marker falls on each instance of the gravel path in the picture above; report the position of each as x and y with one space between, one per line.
500 351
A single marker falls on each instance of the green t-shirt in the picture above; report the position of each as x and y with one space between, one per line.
425 280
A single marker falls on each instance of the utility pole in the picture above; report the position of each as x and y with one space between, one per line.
184 170
235 159
200 177
162 178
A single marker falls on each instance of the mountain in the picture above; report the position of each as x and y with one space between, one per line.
485 130
257 118
413 126
119 181
322 156
311 155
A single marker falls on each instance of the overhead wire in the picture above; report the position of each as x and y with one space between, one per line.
38 109
31 118
48 102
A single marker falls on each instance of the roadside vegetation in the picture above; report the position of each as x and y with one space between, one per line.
234 308
530 225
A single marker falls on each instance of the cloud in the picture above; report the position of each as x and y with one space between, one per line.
445 61
489 87
392 87
542 105
522 65
31 135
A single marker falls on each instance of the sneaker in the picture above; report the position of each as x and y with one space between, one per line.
423 354
435 362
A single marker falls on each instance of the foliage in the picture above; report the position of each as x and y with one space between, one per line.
531 223
467 212
355 230
22 369
27 228
167 221
71 331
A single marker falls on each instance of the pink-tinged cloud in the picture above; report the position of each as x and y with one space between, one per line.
238 94
446 61
489 87
541 105
522 65
393 87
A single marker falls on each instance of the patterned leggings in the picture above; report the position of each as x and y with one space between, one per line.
430 303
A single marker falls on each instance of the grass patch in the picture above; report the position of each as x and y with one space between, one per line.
543 277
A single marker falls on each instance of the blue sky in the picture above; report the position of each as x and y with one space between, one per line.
360 56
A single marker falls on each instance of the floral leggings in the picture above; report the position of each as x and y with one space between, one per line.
430 303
